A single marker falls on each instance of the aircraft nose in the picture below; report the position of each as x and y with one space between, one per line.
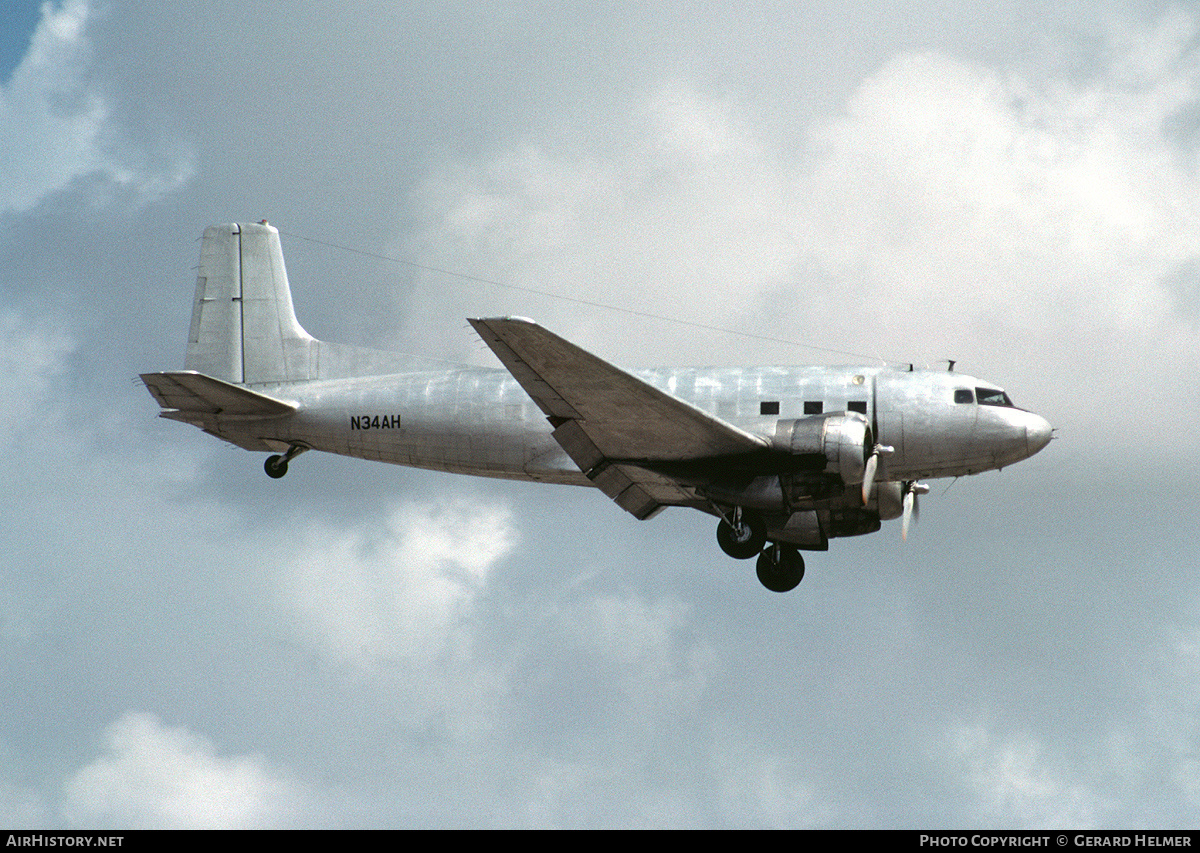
1037 433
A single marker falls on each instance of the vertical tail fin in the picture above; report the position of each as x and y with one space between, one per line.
244 329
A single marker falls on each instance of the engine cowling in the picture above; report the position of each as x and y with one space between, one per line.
835 444
887 499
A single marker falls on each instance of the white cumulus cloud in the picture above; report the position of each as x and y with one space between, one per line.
153 776
56 124
397 588
951 210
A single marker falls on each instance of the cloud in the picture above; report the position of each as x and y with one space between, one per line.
21 806
646 658
153 776
426 666
400 586
56 125
1016 785
34 357
951 210
690 203
940 170
763 788
1042 227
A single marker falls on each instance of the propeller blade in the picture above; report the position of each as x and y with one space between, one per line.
869 476
912 507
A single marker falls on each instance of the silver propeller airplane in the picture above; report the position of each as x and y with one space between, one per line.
786 458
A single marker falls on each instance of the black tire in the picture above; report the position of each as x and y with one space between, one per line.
275 466
746 543
780 568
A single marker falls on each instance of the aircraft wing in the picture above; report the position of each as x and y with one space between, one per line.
608 420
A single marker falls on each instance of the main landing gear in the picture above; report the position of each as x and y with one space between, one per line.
277 466
743 534
780 567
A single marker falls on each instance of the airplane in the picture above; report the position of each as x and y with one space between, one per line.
786 458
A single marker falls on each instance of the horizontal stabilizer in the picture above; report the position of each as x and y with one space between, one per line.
191 393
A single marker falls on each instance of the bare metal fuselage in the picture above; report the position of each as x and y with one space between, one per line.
481 422
787 457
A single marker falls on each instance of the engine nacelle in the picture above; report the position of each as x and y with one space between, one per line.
835 444
887 499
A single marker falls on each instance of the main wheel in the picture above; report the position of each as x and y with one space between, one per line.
275 466
745 540
780 568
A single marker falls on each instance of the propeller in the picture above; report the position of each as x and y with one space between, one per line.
912 509
869 476
871 469
872 463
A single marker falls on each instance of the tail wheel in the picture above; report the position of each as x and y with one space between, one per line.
275 466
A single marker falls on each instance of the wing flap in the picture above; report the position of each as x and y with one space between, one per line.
640 492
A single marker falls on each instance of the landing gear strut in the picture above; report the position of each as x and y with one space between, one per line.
277 466
742 535
780 567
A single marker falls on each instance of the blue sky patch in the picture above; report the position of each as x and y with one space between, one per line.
20 20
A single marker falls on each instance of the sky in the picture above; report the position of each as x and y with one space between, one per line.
187 643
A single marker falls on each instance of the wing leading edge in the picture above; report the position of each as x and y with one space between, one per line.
608 421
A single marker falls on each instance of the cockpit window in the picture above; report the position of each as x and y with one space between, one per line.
993 397
964 395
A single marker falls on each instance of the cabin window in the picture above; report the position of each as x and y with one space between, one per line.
859 406
964 395
993 397
813 407
768 407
